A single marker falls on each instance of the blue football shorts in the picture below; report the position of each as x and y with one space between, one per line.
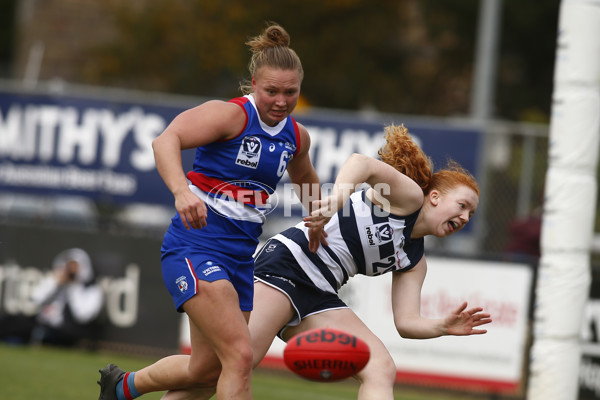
277 267
183 264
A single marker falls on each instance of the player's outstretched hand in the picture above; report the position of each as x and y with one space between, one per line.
463 322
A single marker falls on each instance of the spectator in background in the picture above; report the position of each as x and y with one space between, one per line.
524 237
69 300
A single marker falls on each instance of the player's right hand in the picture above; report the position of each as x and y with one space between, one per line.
191 209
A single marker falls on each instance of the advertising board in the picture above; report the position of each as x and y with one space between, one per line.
101 148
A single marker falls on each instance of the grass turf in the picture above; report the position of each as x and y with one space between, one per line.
63 374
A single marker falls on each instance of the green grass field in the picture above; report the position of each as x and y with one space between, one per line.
45 373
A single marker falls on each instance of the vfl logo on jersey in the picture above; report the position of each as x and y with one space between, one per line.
249 153
379 234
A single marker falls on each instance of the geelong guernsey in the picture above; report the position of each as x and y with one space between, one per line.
362 238
235 177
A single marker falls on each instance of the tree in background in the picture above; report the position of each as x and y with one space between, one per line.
409 57
404 57
7 31
356 56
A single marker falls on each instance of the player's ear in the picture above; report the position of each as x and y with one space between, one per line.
434 197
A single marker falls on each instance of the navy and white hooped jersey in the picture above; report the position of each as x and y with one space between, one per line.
362 239
246 168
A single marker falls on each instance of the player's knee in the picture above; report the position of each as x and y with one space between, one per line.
237 357
244 358
381 369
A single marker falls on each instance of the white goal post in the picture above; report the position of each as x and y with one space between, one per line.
564 274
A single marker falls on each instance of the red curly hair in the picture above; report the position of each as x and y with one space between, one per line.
401 152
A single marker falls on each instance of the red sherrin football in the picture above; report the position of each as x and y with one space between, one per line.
326 354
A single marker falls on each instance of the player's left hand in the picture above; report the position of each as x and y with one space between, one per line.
463 322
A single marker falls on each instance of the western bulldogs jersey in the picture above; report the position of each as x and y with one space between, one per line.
235 177
256 158
363 239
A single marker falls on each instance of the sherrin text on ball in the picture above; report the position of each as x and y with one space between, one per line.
325 354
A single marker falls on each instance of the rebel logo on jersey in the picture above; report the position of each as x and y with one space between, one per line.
249 153
379 234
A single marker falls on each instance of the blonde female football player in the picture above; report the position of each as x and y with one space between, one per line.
243 148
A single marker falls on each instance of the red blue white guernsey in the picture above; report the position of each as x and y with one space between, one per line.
235 177
362 239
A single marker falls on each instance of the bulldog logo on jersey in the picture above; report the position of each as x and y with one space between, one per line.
379 234
249 153
182 284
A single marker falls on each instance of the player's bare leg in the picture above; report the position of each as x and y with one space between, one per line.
189 394
174 371
272 310
221 355
378 376
215 312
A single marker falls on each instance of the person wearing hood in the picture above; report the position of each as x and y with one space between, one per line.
69 300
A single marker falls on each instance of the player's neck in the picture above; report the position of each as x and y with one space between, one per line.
420 228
